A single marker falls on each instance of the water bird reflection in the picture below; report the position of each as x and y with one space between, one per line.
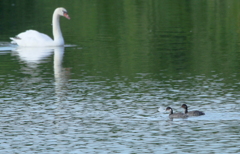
35 56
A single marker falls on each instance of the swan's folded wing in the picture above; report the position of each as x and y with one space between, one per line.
31 38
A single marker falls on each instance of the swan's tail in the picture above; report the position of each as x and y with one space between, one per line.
14 39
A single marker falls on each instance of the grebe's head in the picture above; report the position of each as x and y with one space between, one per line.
184 106
168 109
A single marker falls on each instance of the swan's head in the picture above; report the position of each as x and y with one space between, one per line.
62 12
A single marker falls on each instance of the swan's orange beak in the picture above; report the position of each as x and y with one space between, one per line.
66 15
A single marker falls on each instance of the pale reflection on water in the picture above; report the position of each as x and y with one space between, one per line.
32 55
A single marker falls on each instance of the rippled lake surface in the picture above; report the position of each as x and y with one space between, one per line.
125 60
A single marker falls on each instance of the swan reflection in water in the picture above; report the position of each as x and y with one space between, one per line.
61 74
35 56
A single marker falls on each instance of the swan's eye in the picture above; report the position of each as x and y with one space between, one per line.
64 12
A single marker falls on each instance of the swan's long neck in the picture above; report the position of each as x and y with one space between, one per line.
57 33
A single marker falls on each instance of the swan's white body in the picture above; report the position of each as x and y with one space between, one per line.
33 38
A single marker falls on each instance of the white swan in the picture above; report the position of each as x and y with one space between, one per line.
33 38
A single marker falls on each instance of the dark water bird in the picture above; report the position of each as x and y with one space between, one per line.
192 113
175 115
